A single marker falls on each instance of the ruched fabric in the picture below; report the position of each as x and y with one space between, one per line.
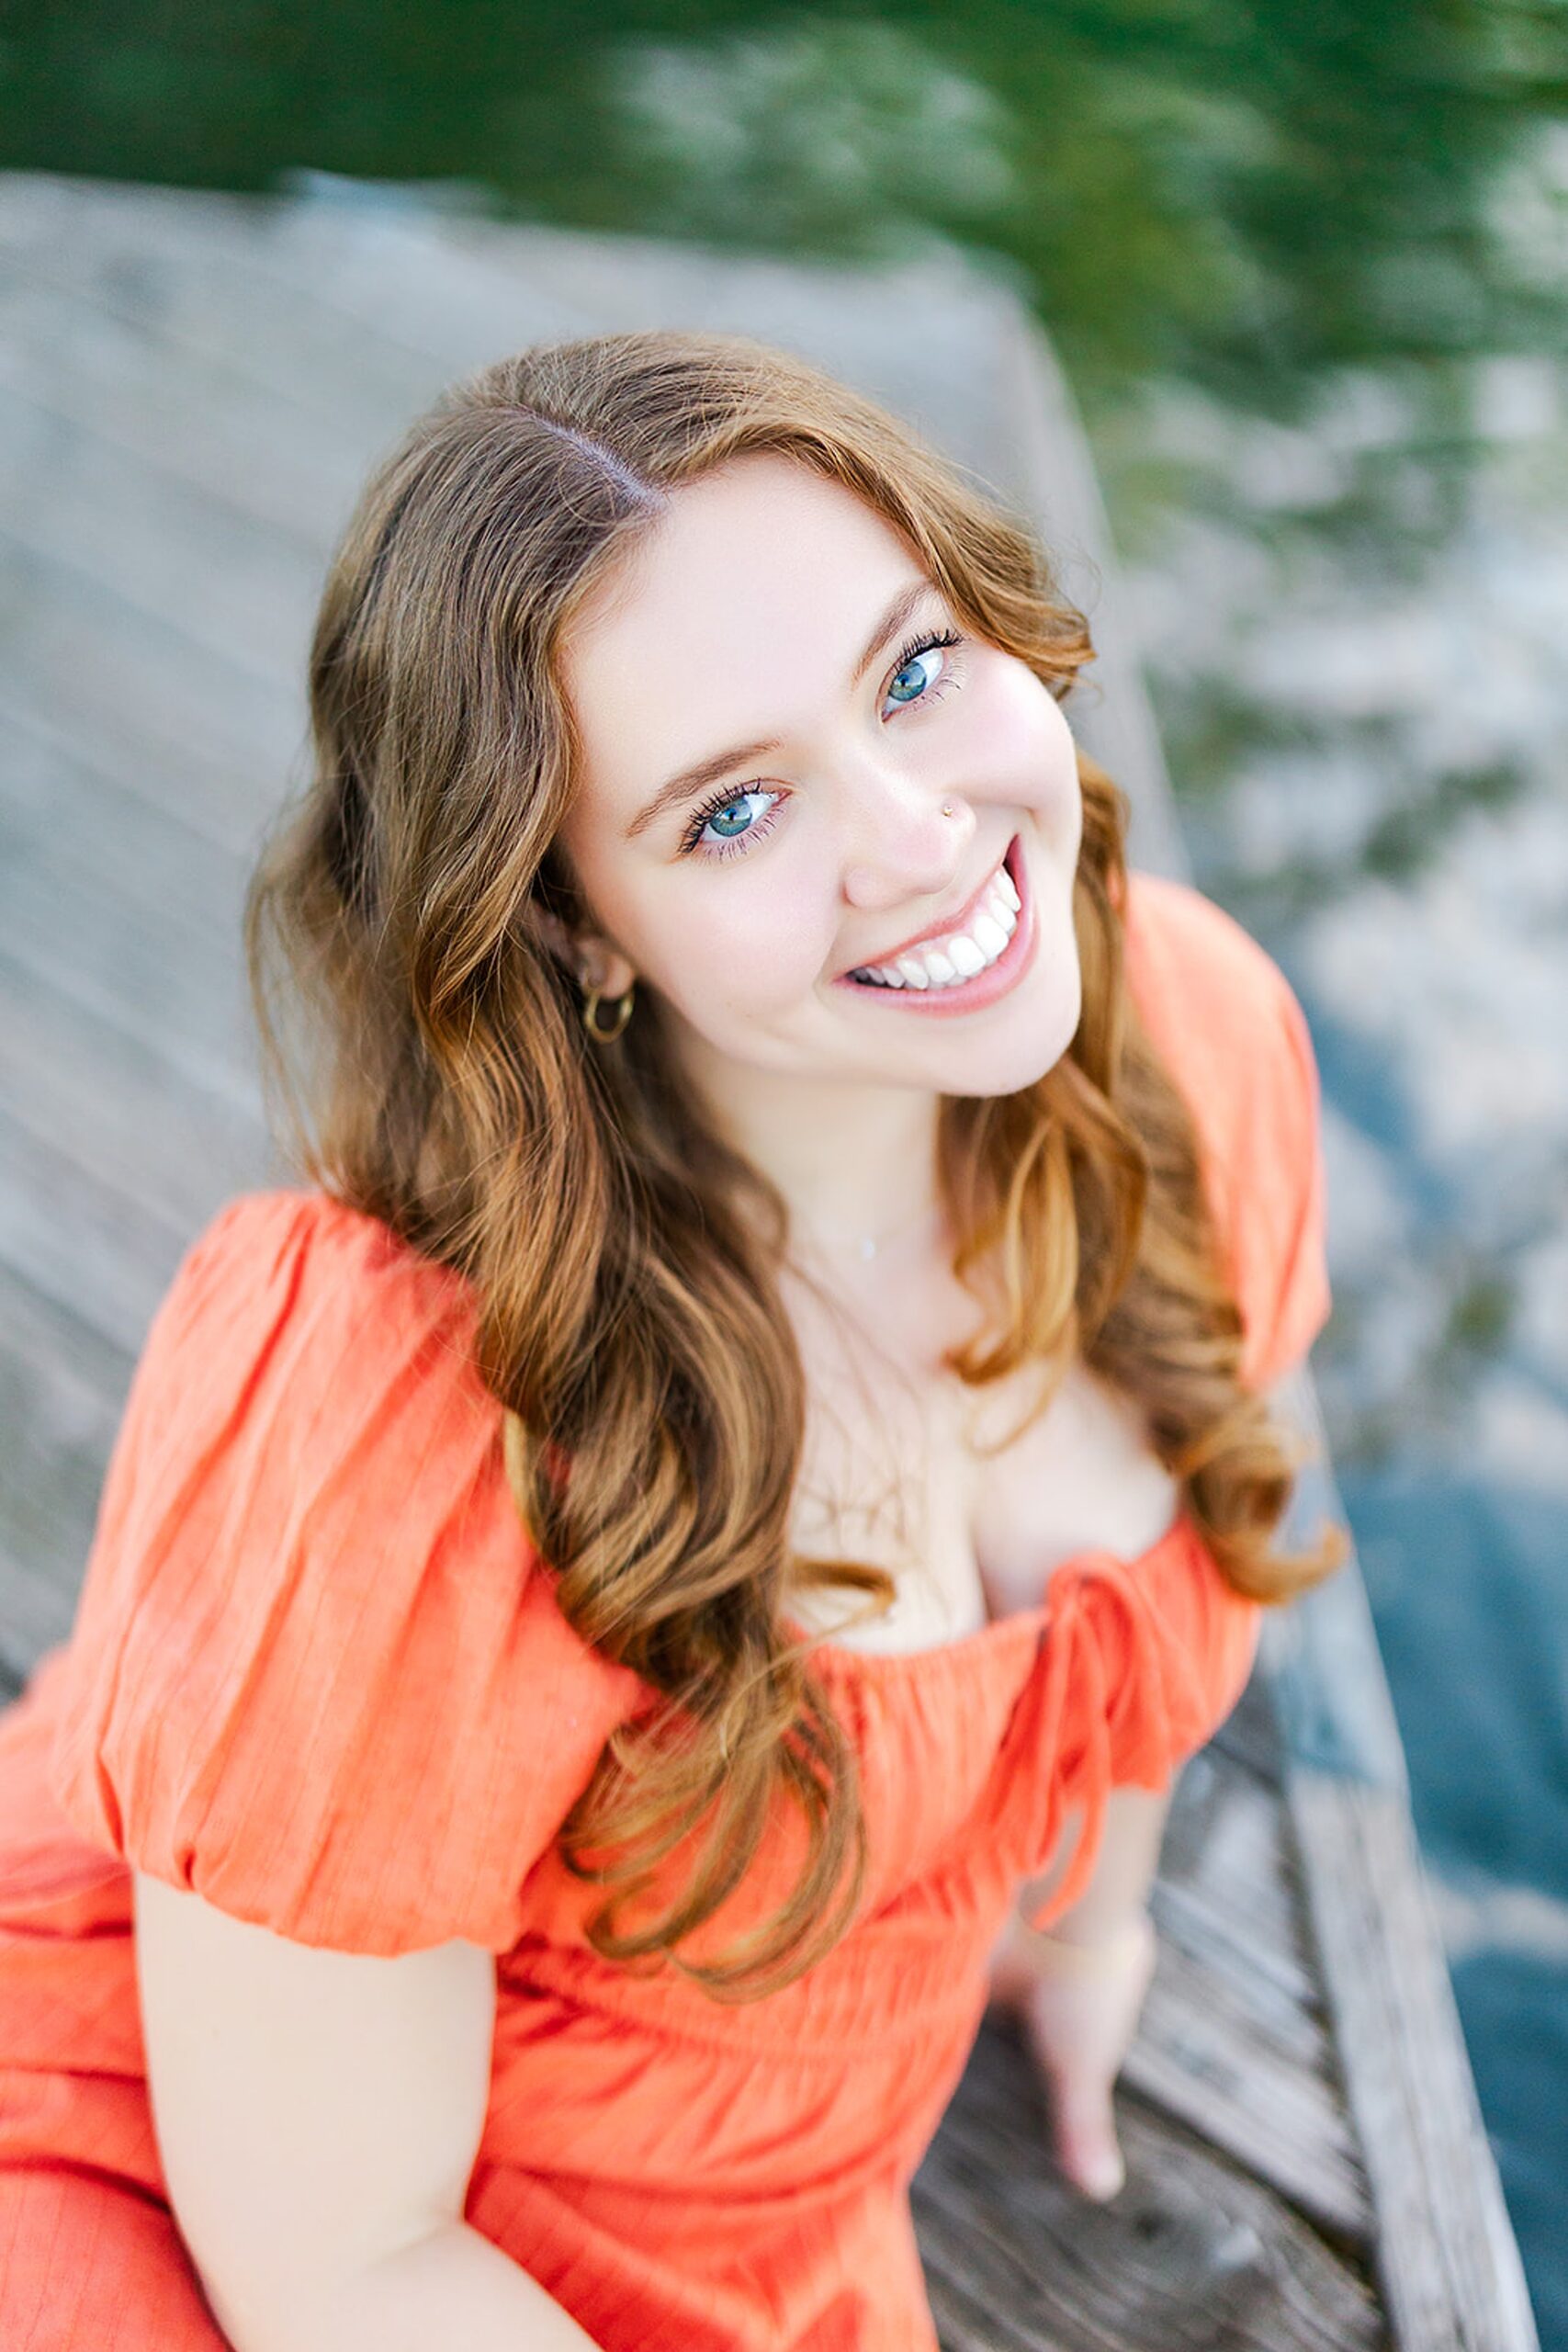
1137 1663
318 1676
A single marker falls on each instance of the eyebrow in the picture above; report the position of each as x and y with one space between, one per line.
691 781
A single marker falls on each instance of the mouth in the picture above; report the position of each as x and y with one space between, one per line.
969 968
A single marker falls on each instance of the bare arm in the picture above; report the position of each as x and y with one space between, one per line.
1115 1899
1079 1989
318 2115
1123 1871
453 2286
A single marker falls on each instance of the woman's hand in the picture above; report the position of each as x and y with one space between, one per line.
1078 2005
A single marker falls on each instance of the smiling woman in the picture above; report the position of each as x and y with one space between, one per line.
925 1227
771 921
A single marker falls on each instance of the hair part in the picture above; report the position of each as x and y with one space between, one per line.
625 1259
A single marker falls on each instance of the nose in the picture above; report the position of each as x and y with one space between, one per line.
903 846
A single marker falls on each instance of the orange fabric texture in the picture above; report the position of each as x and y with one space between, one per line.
317 1676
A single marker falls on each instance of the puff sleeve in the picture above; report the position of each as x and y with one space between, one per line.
1236 1040
316 1674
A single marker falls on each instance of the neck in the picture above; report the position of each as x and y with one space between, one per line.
853 1162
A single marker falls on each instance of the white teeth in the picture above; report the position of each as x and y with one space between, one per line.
964 953
1000 910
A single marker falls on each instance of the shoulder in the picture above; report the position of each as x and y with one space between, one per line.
314 1251
303 1349
1186 956
1232 1033
1224 1018
315 1656
290 1296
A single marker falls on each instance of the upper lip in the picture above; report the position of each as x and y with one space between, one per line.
955 921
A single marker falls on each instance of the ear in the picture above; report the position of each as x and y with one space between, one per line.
600 965
551 933
592 959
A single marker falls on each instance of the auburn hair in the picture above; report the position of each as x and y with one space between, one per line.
625 1260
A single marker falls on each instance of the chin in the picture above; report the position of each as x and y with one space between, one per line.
1030 1043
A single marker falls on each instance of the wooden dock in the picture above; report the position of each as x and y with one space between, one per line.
191 390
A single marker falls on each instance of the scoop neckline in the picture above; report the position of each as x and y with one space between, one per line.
841 1657
995 1633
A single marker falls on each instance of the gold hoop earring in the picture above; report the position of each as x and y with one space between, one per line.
591 1015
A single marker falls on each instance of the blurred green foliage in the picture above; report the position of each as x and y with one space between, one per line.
1241 221
1243 193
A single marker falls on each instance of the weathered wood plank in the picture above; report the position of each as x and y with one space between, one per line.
1447 2260
122 912
117 1109
1446 2257
210 301
62 1389
133 699
1194 2253
1251 1735
245 595
79 1241
255 454
1234 2041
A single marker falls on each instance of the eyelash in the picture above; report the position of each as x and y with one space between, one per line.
727 795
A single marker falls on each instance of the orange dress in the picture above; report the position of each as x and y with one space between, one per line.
317 1676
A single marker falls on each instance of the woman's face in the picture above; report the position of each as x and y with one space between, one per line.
769 732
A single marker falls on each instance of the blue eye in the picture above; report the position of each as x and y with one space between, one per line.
727 817
911 664
725 823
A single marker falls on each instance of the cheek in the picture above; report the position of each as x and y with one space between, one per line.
755 948
1021 736
1062 783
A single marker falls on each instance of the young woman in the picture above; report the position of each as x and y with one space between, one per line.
685 1557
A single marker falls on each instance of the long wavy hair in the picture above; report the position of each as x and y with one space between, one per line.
625 1260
